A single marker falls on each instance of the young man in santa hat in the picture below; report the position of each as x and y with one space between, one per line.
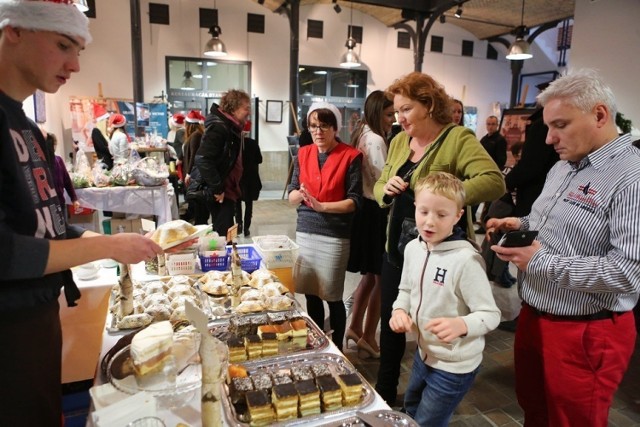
40 42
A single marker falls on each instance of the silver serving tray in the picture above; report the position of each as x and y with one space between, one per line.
221 307
338 364
316 339
387 418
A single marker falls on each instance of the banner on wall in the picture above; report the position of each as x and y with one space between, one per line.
86 110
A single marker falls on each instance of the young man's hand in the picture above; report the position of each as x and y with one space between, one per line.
400 321
446 328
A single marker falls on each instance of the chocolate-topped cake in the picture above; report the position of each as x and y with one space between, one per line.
239 387
240 325
259 406
351 386
309 396
237 350
330 393
269 344
253 343
281 378
285 401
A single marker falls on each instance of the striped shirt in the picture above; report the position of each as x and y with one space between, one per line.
588 218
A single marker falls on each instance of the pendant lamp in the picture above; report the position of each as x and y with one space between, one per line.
187 83
215 48
520 49
350 59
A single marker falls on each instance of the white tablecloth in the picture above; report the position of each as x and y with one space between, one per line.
190 413
159 201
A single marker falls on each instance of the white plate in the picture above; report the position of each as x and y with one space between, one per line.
201 230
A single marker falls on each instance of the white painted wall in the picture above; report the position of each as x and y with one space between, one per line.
108 59
607 37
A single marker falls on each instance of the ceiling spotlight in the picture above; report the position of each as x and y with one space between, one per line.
443 19
337 8
458 13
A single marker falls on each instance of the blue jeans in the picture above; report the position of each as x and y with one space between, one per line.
432 394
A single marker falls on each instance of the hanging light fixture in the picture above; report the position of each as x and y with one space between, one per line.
81 5
187 83
215 47
520 49
350 59
458 13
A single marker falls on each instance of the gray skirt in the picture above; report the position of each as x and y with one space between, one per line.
321 265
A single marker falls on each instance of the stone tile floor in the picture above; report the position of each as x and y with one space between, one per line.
491 401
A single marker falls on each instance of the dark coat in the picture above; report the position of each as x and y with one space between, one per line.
251 159
101 146
218 151
528 176
496 146
191 147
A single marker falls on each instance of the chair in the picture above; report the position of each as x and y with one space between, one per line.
293 154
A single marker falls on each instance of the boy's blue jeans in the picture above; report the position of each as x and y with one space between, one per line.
432 394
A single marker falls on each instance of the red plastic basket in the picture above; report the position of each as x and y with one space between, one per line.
208 263
249 258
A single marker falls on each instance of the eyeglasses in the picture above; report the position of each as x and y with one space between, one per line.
321 128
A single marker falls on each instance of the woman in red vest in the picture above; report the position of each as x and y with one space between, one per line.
327 186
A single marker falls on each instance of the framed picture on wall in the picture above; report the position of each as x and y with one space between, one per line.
274 111
512 126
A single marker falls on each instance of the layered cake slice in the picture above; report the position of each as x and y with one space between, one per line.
259 407
253 343
301 373
309 397
320 370
351 386
151 348
330 393
269 344
298 328
239 387
237 350
285 401
283 331
262 381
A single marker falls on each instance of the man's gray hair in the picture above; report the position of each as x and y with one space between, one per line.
583 89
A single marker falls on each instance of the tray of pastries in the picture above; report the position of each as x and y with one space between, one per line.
156 301
294 390
258 336
384 417
261 291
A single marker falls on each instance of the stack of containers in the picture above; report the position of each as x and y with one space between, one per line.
212 252
279 254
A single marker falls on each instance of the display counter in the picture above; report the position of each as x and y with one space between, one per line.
158 201
189 414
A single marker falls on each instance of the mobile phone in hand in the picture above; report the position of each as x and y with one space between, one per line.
517 239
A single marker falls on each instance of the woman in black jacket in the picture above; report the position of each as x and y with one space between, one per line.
218 164
250 183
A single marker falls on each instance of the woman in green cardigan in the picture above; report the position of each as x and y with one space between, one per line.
428 142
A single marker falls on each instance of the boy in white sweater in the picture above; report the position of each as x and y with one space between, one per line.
446 299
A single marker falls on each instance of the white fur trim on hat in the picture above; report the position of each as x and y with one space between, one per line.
333 108
193 117
38 15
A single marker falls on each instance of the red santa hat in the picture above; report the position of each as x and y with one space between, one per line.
194 117
177 120
59 16
247 126
117 120
99 112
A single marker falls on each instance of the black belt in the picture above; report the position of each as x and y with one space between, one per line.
600 315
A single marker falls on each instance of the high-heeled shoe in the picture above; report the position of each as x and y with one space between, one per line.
350 335
365 351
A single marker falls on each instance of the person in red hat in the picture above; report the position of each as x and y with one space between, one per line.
176 136
118 139
40 45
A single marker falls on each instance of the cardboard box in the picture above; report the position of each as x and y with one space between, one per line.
138 225
86 221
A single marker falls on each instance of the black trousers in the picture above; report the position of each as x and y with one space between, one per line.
221 215
30 357
392 345
248 213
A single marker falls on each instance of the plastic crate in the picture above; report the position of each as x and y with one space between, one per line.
277 251
249 258
182 263
208 263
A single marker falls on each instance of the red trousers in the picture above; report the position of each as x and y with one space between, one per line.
568 371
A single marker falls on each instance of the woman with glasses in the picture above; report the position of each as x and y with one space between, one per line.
327 186
428 142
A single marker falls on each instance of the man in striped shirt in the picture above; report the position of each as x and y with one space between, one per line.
580 280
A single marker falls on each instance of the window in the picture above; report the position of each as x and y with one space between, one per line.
437 43
158 13
404 40
467 48
314 29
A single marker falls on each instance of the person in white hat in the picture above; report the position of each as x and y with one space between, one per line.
176 135
40 43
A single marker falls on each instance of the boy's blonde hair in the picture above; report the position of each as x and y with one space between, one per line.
443 184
